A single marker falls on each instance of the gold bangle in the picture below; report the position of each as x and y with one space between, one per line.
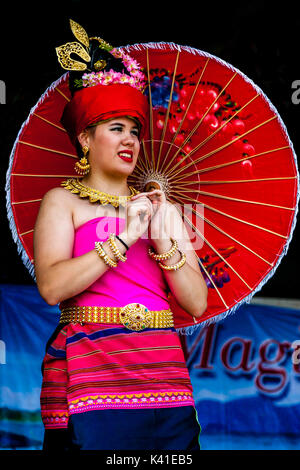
115 249
103 255
167 254
176 266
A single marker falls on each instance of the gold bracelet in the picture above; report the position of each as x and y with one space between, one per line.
176 266
102 253
167 254
114 248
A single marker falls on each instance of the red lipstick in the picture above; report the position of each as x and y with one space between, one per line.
126 155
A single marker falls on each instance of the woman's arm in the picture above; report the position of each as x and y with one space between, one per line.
58 275
187 283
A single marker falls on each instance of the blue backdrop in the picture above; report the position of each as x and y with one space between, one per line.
245 372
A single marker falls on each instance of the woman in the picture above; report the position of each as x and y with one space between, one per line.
114 371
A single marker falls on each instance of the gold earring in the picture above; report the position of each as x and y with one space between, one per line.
83 167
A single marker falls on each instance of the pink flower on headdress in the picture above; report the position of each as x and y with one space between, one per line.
116 53
136 78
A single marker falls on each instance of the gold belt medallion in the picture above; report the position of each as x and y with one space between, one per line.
135 317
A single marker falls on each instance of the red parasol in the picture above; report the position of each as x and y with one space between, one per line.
215 144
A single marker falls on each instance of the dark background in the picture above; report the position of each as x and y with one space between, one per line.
262 39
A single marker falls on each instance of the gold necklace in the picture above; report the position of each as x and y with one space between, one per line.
76 187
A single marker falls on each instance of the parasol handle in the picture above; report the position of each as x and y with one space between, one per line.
151 185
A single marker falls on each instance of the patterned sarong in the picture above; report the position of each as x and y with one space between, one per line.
94 367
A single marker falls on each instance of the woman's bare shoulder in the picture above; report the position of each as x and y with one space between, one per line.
58 194
56 202
58 197
54 230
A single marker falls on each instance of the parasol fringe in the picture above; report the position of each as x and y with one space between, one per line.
12 225
165 45
153 45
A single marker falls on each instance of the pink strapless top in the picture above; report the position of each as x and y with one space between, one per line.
139 279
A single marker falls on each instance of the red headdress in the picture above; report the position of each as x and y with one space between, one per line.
97 103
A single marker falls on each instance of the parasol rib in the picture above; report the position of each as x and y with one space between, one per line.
44 176
199 123
209 137
221 196
51 123
162 138
222 147
222 165
145 164
26 202
150 109
212 282
137 172
198 214
206 272
62 94
138 167
25 233
212 182
237 219
48 149
186 112
216 251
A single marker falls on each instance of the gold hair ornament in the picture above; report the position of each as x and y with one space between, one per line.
64 52
80 48
102 44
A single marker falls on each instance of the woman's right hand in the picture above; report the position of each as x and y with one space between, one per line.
138 215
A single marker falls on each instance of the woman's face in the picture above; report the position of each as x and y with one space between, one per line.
114 146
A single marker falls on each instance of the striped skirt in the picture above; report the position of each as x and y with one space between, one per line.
108 367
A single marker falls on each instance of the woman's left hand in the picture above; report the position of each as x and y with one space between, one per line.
157 226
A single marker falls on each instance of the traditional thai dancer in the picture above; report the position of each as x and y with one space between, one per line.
114 374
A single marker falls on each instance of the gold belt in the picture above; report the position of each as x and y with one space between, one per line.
133 316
